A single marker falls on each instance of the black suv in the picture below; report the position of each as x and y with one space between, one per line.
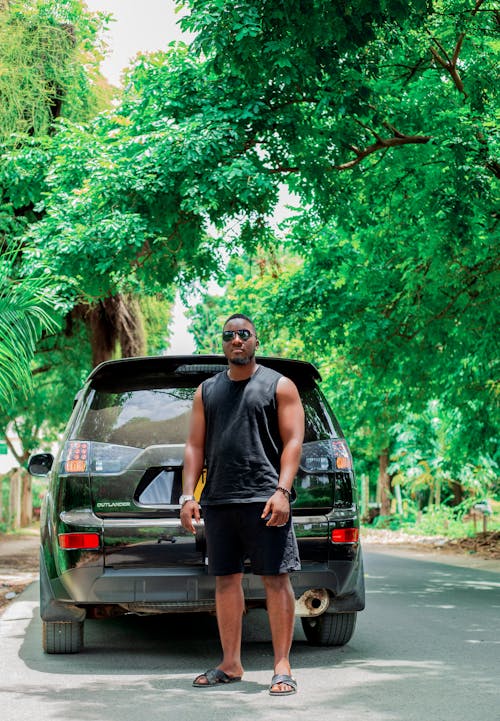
111 539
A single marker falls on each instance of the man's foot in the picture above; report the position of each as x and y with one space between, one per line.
282 684
213 677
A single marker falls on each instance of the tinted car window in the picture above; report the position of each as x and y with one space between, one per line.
153 416
138 418
320 421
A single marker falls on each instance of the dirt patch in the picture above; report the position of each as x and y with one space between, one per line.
19 564
483 545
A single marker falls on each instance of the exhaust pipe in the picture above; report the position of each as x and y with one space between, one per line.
313 602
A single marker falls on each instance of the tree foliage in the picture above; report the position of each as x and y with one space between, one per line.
36 420
381 118
198 143
49 54
25 311
192 159
392 148
48 70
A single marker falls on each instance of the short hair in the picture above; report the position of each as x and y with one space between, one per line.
243 317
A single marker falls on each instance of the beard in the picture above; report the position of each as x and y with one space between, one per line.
242 361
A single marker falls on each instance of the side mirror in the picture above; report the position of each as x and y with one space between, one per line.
40 464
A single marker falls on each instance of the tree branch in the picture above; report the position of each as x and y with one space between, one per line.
477 6
450 65
494 167
285 169
396 140
41 369
12 449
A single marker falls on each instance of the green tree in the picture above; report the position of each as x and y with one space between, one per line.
36 419
49 54
429 464
198 143
157 312
25 312
48 69
400 262
201 142
380 118
49 60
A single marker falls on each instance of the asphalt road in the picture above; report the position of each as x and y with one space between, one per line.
426 648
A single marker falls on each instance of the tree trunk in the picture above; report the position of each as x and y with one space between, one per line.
115 321
20 457
26 499
437 493
365 497
458 492
384 483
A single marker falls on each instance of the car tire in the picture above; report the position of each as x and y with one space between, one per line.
62 636
329 629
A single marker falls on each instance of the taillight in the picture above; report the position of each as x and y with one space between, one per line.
76 457
77 541
343 459
345 535
84 457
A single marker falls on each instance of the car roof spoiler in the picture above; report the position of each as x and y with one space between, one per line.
301 372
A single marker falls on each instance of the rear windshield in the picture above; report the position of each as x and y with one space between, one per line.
156 416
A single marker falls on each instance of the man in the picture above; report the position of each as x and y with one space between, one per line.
248 424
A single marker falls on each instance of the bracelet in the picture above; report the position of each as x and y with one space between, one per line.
284 491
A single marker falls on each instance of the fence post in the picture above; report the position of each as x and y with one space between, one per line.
15 499
365 496
2 505
26 499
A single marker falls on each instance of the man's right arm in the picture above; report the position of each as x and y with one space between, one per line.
194 458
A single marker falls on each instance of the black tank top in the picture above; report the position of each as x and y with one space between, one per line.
242 445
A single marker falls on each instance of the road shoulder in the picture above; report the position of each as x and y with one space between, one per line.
422 553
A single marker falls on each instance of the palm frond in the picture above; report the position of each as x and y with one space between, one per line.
24 315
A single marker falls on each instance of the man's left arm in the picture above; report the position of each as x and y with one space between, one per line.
291 428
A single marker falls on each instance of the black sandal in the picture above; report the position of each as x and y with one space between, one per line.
214 676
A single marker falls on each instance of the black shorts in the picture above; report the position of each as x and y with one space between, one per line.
236 532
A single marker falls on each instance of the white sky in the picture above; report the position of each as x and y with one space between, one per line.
139 25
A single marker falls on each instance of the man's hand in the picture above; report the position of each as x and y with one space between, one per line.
190 512
279 508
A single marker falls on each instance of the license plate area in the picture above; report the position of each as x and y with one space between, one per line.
150 543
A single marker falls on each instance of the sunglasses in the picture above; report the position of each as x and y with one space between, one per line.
242 333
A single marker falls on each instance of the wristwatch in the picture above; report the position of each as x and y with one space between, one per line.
184 499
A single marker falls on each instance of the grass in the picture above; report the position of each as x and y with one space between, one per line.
443 521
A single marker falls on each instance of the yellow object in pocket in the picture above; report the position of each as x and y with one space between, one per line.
200 485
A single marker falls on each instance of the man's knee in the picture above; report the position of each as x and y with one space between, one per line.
278 583
228 583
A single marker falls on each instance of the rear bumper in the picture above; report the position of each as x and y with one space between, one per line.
187 590
72 580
